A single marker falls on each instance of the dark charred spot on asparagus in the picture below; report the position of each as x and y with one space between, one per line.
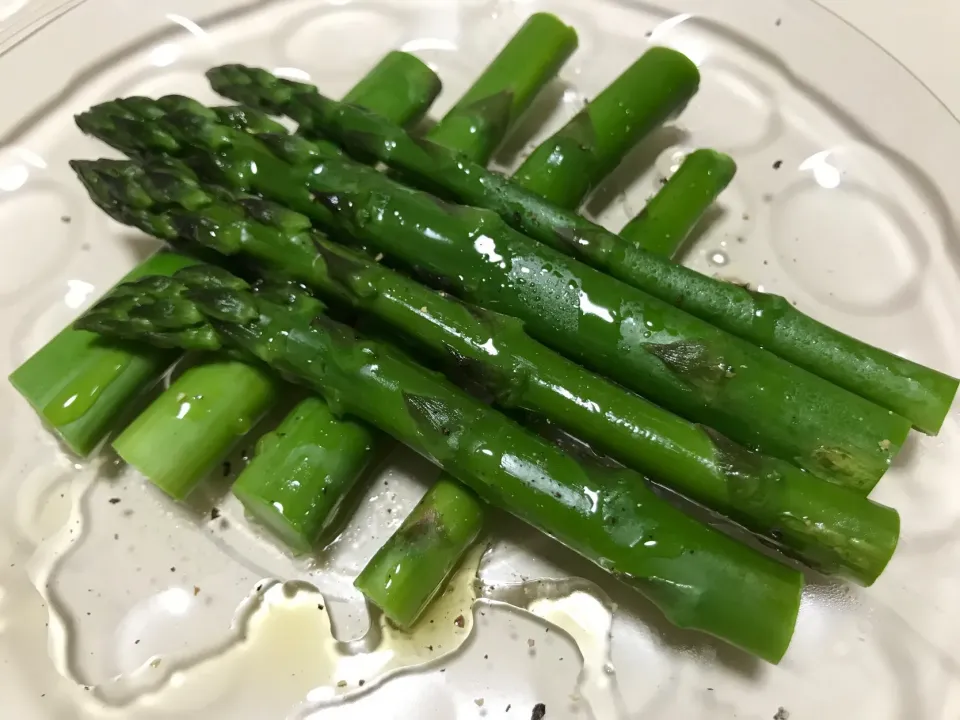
472 375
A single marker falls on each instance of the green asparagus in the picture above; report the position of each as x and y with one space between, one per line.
699 577
175 444
103 379
670 216
675 359
303 470
414 564
479 122
80 384
400 87
824 525
476 125
921 394
565 167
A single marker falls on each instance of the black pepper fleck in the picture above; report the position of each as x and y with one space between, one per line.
214 513
539 712
777 164
65 219
114 501
778 22
173 569
459 622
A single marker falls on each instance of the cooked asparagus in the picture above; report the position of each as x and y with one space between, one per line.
921 394
825 525
699 577
682 363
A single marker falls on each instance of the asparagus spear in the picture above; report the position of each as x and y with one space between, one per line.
475 126
303 470
478 123
566 166
105 377
699 577
675 359
414 564
400 88
80 384
670 216
921 394
825 525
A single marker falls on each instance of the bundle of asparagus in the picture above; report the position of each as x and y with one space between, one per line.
805 445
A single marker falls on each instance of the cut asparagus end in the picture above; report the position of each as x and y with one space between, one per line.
303 471
400 88
273 517
81 384
568 165
479 122
179 439
670 216
414 564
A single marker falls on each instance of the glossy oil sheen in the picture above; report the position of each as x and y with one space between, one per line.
674 359
827 444
921 394
79 383
696 575
826 526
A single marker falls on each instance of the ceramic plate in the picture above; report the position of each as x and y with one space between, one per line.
116 603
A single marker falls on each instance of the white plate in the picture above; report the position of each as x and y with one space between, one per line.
131 609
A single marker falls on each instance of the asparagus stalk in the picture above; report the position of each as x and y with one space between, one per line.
303 471
670 216
921 394
414 564
80 384
175 444
674 359
565 167
476 126
88 401
400 88
698 576
825 525
479 122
